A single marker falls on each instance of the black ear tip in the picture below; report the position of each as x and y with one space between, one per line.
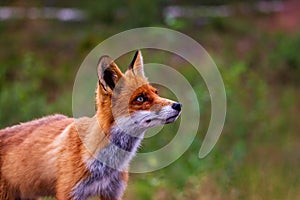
134 58
138 52
104 58
103 63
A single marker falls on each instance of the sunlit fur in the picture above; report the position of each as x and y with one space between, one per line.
80 158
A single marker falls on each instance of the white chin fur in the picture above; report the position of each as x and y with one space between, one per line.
142 120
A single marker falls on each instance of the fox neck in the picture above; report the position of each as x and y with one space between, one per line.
121 149
104 114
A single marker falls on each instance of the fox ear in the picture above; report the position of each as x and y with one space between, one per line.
137 64
108 73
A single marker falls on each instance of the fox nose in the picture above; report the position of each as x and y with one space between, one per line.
177 106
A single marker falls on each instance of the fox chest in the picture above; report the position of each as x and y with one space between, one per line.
107 169
103 181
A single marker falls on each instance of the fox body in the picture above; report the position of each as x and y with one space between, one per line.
79 158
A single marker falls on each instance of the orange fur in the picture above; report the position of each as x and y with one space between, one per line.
28 175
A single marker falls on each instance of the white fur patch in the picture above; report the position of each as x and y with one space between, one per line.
144 119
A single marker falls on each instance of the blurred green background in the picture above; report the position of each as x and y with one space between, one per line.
255 44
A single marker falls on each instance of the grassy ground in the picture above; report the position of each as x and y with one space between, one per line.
257 156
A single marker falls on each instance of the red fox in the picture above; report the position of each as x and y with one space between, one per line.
76 159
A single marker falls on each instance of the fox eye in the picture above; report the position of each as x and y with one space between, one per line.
141 99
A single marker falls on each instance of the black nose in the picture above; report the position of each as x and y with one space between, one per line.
177 106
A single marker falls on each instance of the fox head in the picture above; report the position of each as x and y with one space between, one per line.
128 100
